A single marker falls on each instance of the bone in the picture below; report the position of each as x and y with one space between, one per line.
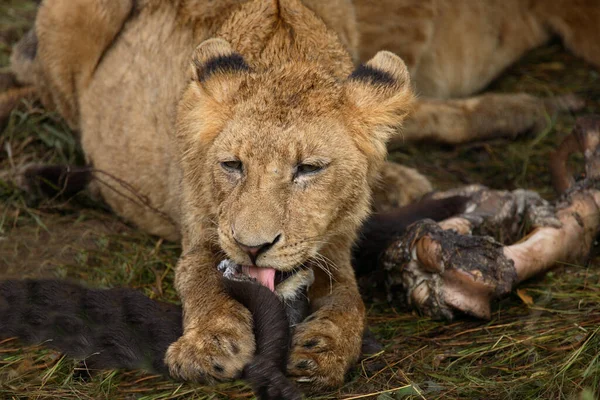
461 265
578 210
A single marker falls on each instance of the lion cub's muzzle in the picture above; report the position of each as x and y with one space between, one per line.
254 251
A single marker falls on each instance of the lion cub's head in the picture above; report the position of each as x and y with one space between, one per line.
283 159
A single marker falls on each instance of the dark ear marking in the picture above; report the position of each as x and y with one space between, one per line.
372 75
221 64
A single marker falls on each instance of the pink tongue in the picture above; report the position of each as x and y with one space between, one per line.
264 276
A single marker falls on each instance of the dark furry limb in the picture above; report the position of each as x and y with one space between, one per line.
122 328
113 328
266 371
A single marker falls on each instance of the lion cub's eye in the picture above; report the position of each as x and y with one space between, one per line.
307 169
232 166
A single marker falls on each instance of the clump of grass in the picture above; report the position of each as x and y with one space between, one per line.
547 348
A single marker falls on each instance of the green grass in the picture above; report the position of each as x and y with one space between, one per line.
548 350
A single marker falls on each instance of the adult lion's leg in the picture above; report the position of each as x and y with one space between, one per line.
481 117
421 32
328 342
72 38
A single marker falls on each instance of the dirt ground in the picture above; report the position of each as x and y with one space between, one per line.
541 343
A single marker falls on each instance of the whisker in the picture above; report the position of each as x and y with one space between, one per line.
330 264
322 264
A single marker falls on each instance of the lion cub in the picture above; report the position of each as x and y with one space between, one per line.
264 152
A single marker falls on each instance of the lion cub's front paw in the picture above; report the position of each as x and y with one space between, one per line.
218 349
321 354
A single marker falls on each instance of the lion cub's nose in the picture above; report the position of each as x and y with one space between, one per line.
254 251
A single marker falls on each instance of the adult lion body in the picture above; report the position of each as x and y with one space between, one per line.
259 146
455 48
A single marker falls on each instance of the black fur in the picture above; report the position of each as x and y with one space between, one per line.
298 308
266 371
231 63
113 328
372 75
122 328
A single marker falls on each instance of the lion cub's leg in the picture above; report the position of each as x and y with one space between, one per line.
481 117
73 36
328 342
218 340
398 186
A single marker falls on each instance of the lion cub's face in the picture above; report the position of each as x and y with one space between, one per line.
284 186
284 160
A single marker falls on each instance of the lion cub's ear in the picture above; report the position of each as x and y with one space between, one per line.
218 68
217 73
379 96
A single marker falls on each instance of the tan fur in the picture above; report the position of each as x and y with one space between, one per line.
157 123
454 48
